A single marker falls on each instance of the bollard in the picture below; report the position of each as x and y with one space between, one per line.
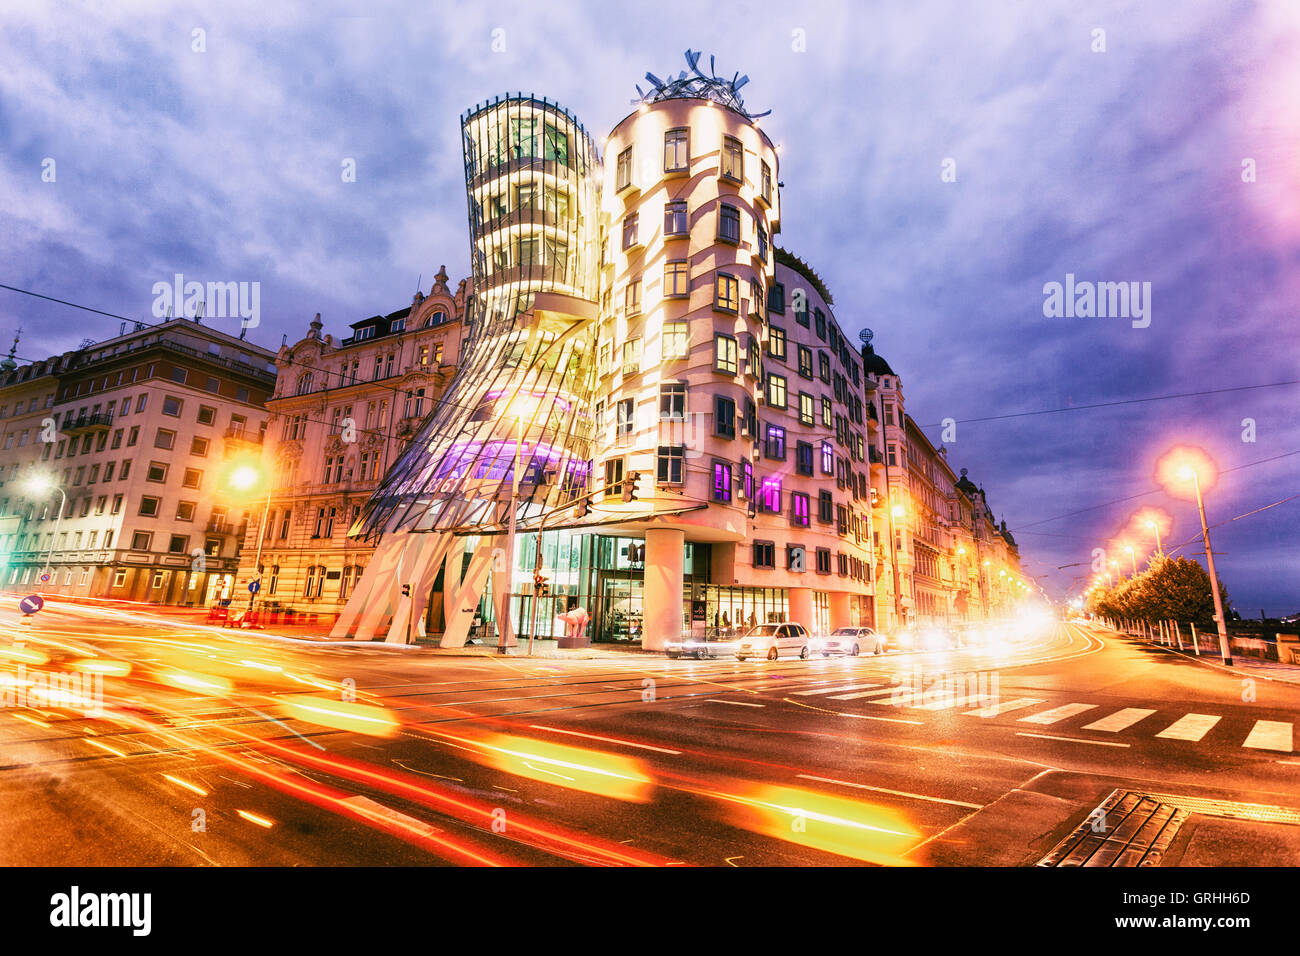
1196 640
1178 633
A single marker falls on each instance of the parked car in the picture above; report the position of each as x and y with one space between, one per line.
851 641
774 640
715 642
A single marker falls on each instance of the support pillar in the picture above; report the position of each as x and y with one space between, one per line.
841 610
662 611
801 607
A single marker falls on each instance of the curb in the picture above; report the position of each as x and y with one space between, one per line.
1200 660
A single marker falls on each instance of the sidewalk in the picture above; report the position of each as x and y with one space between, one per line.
1210 657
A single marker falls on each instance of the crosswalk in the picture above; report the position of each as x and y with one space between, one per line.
1263 735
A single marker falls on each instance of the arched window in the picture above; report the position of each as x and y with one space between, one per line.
435 318
304 383
275 579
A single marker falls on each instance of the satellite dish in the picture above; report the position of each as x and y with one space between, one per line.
866 335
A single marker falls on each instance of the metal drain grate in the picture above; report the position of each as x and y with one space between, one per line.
1135 829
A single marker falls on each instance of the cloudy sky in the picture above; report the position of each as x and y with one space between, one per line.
1164 150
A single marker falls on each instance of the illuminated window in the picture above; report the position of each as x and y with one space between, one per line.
776 342
726 293
726 355
677 150
721 481
733 159
677 279
776 391
807 409
799 514
675 340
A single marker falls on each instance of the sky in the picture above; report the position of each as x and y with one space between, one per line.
942 163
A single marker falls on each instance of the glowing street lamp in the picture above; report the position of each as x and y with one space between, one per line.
1191 465
1133 557
42 484
1155 526
245 478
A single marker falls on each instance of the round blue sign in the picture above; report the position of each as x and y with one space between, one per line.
45 578
254 587
31 604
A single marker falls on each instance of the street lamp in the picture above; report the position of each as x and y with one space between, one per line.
245 478
1132 557
1155 526
43 485
1184 465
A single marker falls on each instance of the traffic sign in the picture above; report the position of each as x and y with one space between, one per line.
31 604
254 587
45 578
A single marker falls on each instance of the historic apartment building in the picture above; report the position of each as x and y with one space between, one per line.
341 412
114 458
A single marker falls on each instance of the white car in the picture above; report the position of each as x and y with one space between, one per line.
702 646
774 640
851 641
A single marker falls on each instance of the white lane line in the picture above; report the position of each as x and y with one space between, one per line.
905 699
1270 735
897 793
1056 713
374 809
733 703
609 740
1004 707
944 702
886 691
1120 719
1189 727
1073 740
833 690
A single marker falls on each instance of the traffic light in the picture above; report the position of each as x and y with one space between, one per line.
629 486
541 587
582 508
406 590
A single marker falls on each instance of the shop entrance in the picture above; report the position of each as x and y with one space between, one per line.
619 609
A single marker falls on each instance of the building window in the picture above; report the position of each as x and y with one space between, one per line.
630 231
769 494
677 150
185 511
625 417
825 507
805 362
179 375
157 472
193 478
764 554
823 560
675 341
765 183
733 159
149 506
776 342
117 504
672 464
132 436
199 447
721 481
632 298
828 413
632 356
672 401
804 458
728 223
824 367
828 458
677 279
799 509
207 415
774 446
762 242
776 391
726 293
624 170
675 218
164 439
807 409
178 544
726 354
724 416
821 325
613 477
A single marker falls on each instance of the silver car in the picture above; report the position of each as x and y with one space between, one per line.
850 641
774 640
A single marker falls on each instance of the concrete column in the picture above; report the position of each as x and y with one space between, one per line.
841 609
801 607
662 610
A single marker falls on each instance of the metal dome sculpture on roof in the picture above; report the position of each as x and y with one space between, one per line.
694 84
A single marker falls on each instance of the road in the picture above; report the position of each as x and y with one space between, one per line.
221 748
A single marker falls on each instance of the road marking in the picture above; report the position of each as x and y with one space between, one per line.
610 740
373 808
1056 713
1189 727
1120 719
897 793
833 690
1073 740
866 693
994 710
734 703
1270 735
944 702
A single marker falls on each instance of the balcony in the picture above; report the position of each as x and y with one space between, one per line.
237 434
86 424
874 456
222 526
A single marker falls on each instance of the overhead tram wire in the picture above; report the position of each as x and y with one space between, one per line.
1117 402
153 325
